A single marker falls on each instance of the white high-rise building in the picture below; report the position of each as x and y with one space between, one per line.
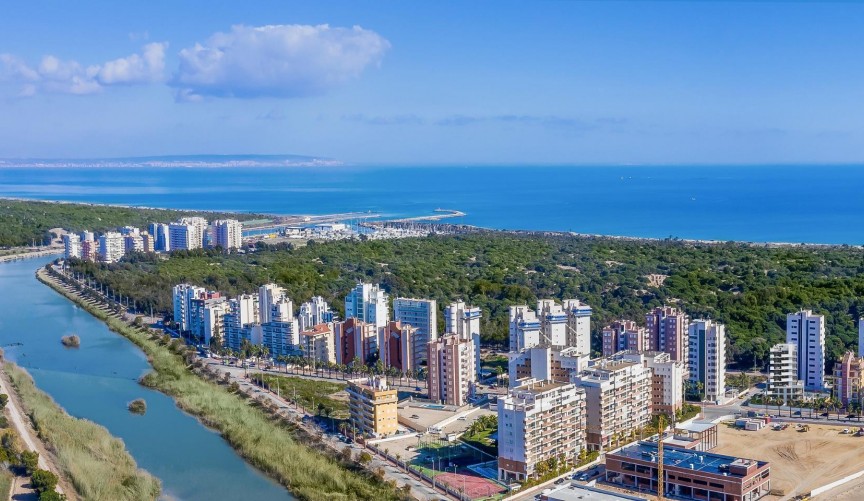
110 247
545 363
71 246
183 295
807 332
314 312
667 379
368 303
241 322
464 321
578 325
200 225
553 324
783 382
422 314
269 295
183 237
525 328
228 234
707 352
130 230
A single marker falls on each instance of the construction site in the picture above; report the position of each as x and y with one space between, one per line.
803 457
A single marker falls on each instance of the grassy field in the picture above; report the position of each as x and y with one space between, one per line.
308 391
97 464
5 483
269 445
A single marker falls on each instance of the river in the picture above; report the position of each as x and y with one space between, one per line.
96 382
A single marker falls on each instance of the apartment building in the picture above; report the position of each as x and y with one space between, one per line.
134 242
71 246
668 332
227 234
807 332
161 236
464 321
618 400
545 363
89 246
578 325
206 316
314 312
372 406
399 342
110 247
525 328
183 237
537 421
421 314
783 382
355 339
707 353
624 335
201 227
861 337
848 375
319 343
368 303
148 242
182 296
451 368
241 322
667 379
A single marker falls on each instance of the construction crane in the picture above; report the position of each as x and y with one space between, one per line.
661 483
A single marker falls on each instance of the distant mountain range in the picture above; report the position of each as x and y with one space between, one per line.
176 161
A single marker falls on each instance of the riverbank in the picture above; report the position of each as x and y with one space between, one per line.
27 254
270 445
96 463
18 487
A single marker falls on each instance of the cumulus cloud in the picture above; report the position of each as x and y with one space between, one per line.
276 61
149 66
53 75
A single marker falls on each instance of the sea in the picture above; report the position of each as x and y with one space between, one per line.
766 203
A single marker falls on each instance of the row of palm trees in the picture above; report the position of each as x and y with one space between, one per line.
309 366
821 406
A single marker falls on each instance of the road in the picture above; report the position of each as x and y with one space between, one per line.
21 423
421 490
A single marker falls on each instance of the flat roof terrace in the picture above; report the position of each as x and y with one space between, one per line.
706 462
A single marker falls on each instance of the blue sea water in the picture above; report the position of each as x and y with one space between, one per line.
783 203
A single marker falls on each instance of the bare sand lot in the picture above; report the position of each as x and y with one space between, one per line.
800 461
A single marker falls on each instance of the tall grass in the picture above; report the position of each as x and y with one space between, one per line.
97 463
274 448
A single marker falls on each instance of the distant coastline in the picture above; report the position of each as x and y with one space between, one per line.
173 162
474 228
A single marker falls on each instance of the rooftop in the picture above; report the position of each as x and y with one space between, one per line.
538 387
577 492
692 460
316 330
696 426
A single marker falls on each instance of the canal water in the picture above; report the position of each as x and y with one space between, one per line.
98 380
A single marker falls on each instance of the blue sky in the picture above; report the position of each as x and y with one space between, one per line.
437 82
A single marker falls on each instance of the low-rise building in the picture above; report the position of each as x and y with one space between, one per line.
689 474
538 422
372 406
618 400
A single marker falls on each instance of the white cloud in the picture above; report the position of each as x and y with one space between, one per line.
276 60
56 76
147 67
